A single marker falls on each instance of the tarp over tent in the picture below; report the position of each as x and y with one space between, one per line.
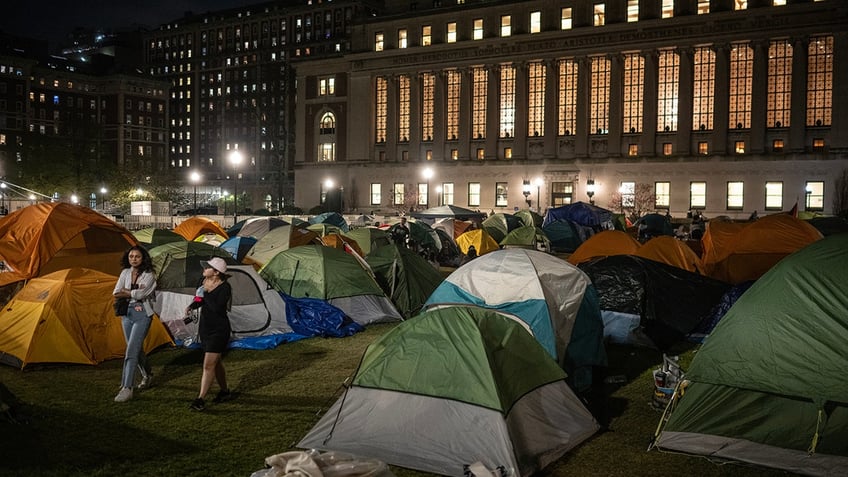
665 302
556 300
768 387
47 237
67 317
453 386
756 248
316 271
193 227
406 278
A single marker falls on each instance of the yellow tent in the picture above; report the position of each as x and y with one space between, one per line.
67 317
482 241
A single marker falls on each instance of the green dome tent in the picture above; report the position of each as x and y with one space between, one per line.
453 386
406 278
177 264
768 387
152 237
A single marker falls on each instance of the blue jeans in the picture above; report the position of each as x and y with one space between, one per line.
136 324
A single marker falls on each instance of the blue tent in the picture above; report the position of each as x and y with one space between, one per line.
238 246
581 213
332 218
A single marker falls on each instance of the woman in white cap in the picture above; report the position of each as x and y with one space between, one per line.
214 329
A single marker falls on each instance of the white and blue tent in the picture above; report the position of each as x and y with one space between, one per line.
555 299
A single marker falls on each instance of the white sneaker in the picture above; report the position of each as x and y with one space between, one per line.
146 381
124 395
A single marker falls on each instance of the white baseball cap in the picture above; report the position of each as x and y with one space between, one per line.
216 263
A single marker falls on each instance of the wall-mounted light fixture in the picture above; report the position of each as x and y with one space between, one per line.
590 190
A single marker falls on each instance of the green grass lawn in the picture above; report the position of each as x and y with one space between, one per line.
73 428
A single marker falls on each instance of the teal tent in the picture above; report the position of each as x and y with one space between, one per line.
406 278
768 387
454 386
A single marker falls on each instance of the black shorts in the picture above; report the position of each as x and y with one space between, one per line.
215 343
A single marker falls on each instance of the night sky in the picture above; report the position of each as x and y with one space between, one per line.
53 20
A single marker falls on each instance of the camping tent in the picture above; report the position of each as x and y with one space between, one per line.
453 386
46 237
406 278
151 237
177 264
527 236
330 218
480 239
449 211
193 227
453 227
67 317
554 298
768 387
529 217
316 271
343 243
653 225
756 247
256 310
368 238
604 244
669 250
238 246
277 240
650 303
500 224
581 213
257 227
564 235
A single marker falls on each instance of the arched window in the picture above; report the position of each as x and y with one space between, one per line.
328 124
327 137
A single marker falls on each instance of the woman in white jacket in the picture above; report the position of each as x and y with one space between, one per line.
137 283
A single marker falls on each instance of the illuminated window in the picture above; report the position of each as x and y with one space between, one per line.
632 10
506 25
662 195
327 86
777 145
403 108
779 84
426 35
402 38
739 147
327 125
507 153
598 15
628 194
535 22
774 195
536 99
451 32
778 3
819 81
735 195
501 189
447 193
740 4
423 193
666 148
376 195
378 41
507 101
815 196
474 194
567 114
479 95
818 144
703 7
454 81
741 77
632 150
667 8
382 107
398 193
428 88
697 195
565 19
428 155
634 90
668 71
455 154
704 89
599 96
562 193
478 29
703 148
481 153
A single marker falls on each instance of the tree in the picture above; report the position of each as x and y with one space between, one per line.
642 201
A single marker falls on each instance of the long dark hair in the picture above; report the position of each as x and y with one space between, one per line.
146 261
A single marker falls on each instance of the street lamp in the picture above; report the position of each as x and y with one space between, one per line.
74 199
195 178
428 174
235 159
525 189
103 192
590 190
538 183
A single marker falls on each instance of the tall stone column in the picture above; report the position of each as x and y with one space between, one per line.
584 86
759 97
616 105
392 118
648 146
519 144
839 126
722 97
685 92
493 108
465 90
798 114
551 107
415 117
439 151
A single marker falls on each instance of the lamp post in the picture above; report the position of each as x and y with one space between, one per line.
538 183
195 178
590 190
235 160
103 192
428 174
525 189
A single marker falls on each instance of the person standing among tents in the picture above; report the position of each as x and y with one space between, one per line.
137 283
214 330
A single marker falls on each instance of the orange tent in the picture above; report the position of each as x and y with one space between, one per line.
46 237
604 244
335 240
194 227
755 247
67 317
667 249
